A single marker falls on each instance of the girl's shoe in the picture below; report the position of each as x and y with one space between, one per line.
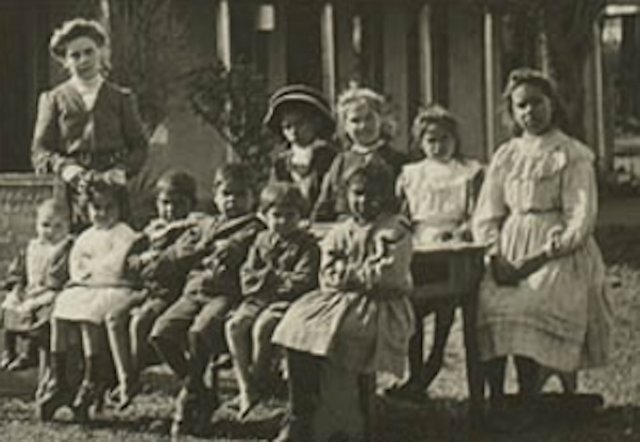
407 392
53 397
22 362
6 359
120 398
86 396
185 414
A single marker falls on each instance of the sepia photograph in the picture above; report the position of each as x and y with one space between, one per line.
320 220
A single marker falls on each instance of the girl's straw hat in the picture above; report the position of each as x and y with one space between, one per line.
299 94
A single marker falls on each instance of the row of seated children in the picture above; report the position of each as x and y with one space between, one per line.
200 250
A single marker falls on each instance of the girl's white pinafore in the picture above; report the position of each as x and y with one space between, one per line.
559 315
97 283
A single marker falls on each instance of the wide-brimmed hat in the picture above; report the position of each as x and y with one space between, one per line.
300 94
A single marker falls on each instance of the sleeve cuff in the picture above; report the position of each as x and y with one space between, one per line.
70 172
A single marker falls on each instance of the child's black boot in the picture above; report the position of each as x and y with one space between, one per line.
55 392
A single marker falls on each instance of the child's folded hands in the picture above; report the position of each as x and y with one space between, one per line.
12 300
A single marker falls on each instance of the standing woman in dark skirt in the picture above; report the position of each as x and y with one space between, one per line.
88 129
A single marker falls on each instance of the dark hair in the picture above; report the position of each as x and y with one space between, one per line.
179 183
281 194
536 78
434 114
378 179
72 29
115 192
304 99
236 174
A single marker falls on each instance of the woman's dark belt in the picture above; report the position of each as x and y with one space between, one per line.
536 211
99 160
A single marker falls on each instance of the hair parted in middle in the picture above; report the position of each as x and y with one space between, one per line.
115 192
378 179
437 114
525 75
281 194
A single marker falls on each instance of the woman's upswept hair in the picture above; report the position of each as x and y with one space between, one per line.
80 27
536 78
434 114
75 28
357 96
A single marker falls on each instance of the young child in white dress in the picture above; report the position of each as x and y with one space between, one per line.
438 195
34 278
97 285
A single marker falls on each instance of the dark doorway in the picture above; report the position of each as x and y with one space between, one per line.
24 70
304 53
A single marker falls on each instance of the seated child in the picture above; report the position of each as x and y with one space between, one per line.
301 116
214 250
438 195
35 276
282 265
360 319
366 134
97 286
175 198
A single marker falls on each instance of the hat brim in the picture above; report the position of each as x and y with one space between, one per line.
271 119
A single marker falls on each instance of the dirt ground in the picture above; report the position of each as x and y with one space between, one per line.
442 419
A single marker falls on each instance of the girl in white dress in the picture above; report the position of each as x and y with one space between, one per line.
542 300
97 285
438 195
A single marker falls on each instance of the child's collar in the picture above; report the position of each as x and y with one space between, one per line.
359 148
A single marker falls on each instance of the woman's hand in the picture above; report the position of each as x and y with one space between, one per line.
503 271
114 177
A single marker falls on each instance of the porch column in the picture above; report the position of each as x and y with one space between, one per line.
595 119
494 130
223 32
328 46
395 78
425 45
223 49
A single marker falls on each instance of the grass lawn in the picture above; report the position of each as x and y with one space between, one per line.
442 419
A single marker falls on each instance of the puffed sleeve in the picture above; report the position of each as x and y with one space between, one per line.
401 194
393 271
491 208
579 205
134 134
45 154
333 255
